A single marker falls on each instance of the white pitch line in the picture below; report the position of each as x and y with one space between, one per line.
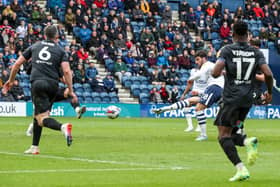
95 161
82 170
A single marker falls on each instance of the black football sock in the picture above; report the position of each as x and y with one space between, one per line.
75 105
230 150
238 139
37 131
52 124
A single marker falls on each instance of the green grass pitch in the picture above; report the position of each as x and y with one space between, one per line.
132 152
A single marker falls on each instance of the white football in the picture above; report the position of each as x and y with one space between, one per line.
113 112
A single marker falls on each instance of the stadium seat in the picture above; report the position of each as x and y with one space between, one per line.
87 87
135 90
105 97
78 87
97 100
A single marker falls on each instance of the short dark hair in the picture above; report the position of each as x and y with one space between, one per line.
240 28
50 31
201 54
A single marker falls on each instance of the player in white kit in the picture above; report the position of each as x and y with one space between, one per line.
212 93
193 88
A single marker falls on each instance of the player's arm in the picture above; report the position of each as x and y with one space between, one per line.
9 84
218 68
67 75
260 77
188 88
268 81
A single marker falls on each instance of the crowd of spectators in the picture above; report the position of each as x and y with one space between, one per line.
134 37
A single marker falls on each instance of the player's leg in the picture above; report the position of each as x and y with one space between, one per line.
63 94
188 116
37 131
201 119
251 143
29 130
178 105
228 117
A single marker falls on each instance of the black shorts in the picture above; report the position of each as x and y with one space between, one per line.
43 95
231 115
60 95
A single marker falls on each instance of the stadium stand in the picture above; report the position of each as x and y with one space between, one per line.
149 34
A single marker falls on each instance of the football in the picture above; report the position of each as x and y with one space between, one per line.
113 112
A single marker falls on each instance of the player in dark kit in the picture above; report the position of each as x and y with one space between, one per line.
241 62
62 94
47 59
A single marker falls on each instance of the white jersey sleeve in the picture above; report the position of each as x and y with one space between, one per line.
199 84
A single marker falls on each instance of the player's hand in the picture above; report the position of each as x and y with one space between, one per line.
267 98
7 86
74 97
66 93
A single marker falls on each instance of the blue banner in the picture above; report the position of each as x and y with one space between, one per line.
93 110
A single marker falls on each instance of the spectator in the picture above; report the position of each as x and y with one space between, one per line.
145 7
184 61
154 8
239 13
166 14
275 19
249 13
198 44
267 19
211 10
173 76
7 97
63 42
70 20
225 31
174 95
143 70
164 74
82 54
100 3
129 59
161 60
79 74
91 73
146 37
109 84
97 84
94 43
155 95
258 11
263 35
21 30
17 91
152 60
150 20
137 14
120 43
155 77
183 10
120 69
84 35
36 15
164 92
191 18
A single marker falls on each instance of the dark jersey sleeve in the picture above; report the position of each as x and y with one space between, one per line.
27 54
64 57
260 58
221 55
